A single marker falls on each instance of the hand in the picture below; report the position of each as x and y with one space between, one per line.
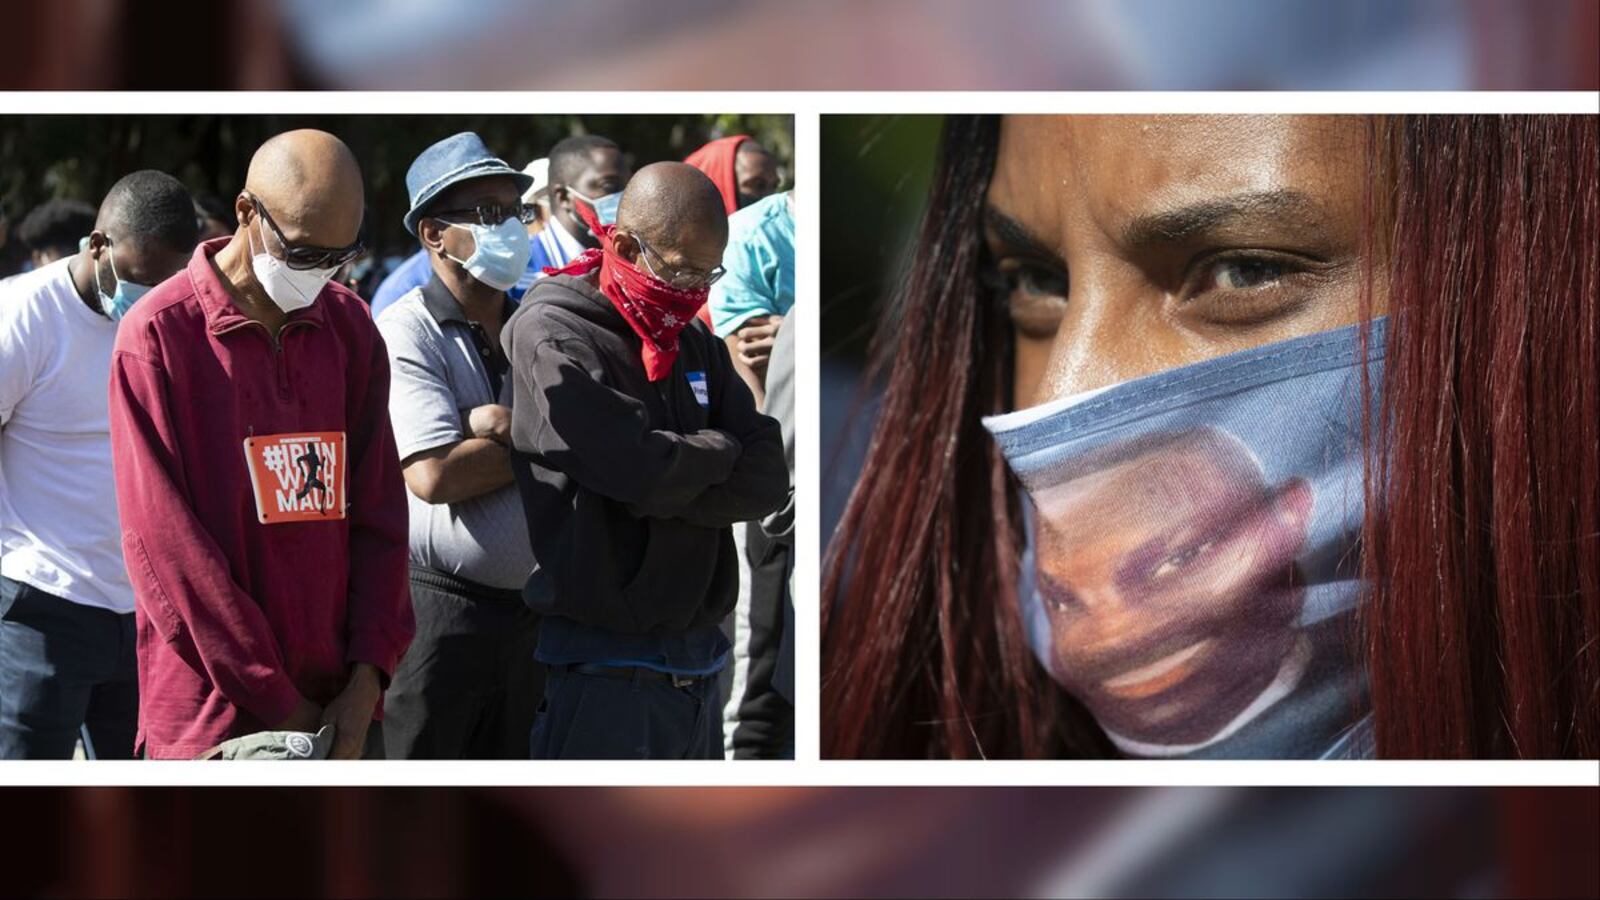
350 713
491 421
754 340
304 718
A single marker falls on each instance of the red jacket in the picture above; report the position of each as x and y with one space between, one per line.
239 616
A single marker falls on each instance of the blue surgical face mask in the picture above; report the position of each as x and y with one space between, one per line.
605 208
117 303
500 253
1191 569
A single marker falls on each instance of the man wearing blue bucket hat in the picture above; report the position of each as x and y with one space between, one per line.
469 686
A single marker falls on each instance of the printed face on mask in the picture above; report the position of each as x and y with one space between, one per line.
1192 558
1166 568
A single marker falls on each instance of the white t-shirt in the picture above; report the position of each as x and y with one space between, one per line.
58 505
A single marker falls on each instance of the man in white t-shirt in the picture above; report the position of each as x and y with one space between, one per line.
67 661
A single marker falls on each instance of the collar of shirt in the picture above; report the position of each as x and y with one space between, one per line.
560 245
443 307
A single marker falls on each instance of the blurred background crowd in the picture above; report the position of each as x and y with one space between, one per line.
825 45
812 842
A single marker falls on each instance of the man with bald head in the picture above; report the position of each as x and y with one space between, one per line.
66 608
635 449
263 511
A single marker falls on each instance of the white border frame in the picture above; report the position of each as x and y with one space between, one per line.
807 770
826 773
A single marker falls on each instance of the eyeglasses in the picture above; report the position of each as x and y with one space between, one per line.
682 279
492 215
304 256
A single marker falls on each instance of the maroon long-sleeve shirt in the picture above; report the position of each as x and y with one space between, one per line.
263 510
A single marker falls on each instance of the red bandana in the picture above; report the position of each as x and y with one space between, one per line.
655 310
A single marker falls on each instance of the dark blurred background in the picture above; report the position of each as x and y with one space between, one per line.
80 157
776 842
877 170
817 45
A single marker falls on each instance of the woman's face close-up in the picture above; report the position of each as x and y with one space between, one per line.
1128 245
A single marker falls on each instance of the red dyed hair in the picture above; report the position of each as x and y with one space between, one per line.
1483 533
1482 540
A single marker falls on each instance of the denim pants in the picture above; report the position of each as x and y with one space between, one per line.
64 667
603 717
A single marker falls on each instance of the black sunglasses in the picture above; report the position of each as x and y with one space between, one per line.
303 256
491 215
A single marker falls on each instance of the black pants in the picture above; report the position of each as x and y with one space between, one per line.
468 686
761 707
374 747
604 717
64 667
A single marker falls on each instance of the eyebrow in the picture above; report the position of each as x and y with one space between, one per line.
1173 226
1016 236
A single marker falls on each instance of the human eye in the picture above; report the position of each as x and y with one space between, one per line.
1250 287
1245 274
1035 293
1056 596
1176 562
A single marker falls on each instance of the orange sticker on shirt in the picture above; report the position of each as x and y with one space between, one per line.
297 477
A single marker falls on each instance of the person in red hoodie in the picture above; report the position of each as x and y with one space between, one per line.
742 170
263 509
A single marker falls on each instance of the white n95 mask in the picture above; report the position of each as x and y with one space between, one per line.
290 289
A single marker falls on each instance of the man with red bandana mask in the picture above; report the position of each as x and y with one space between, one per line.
635 448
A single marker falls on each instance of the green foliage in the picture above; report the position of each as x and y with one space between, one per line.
878 171
80 157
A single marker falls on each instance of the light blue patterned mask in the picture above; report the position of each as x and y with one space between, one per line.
1192 568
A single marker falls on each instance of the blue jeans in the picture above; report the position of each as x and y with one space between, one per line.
600 717
64 667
